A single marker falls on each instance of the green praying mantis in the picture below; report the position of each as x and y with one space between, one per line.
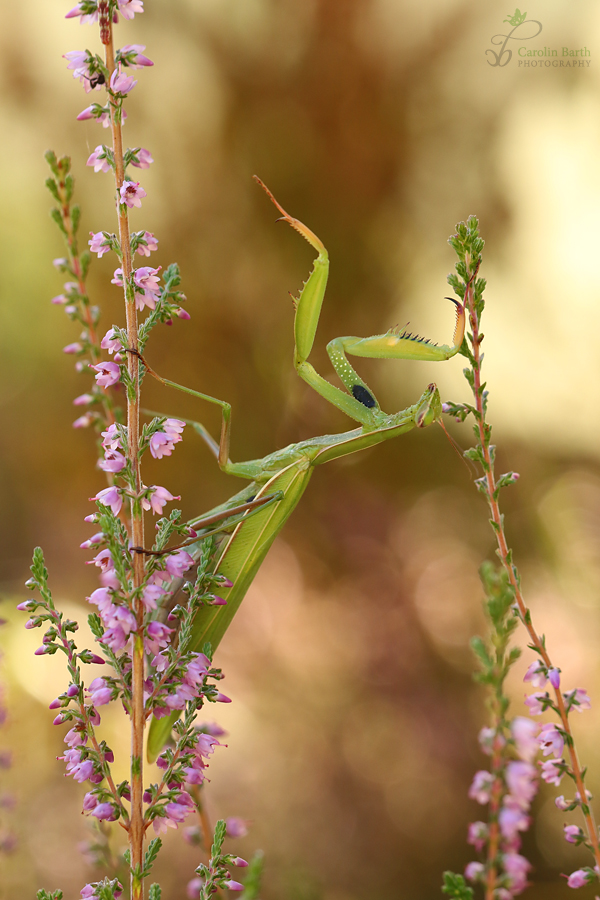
252 518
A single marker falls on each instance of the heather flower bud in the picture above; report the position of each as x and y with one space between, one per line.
239 862
580 878
233 885
27 605
573 834
554 677
474 871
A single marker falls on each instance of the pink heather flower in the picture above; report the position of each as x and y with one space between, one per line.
77 59
477 835
98 159
233 885
115 616
521 780
579 878
152 593
193 888
134 56
534 702
551 740
577 699
195 672
59 300
146 286
115 638
552 771
88 890
536 674
110 496
113 462
84 421
560 802
99 243
80 62
91 112
82 400
85 17
474 871
159 497
100 692
73 348
162 442
174 427
108 373
94 541
516 867
511 821
573 834
105 811
486 740
150 245
128 8
131 194
157 636
160 445
75 738
89 801
111 441
101 597
236 827
144 159
176 813
183 314
179 562
79 768
111 342
481 786
524 733
121 83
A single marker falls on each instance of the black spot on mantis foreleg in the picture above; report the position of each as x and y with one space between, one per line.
361 394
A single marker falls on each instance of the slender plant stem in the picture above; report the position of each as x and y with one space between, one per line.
136 828
506 559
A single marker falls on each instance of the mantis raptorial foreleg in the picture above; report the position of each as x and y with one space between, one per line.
360 402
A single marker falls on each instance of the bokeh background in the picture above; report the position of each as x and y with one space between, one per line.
380 123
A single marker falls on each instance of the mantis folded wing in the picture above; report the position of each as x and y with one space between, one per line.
286 473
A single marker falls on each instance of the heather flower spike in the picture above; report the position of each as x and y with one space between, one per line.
545 677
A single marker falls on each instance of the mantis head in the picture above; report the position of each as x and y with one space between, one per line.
430 407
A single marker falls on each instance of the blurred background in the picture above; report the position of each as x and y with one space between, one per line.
381 124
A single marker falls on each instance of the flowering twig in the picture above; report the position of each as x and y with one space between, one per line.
468 246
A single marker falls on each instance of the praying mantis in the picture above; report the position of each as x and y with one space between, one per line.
280 478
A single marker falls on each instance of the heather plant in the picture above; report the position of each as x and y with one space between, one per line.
509 786
153 671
